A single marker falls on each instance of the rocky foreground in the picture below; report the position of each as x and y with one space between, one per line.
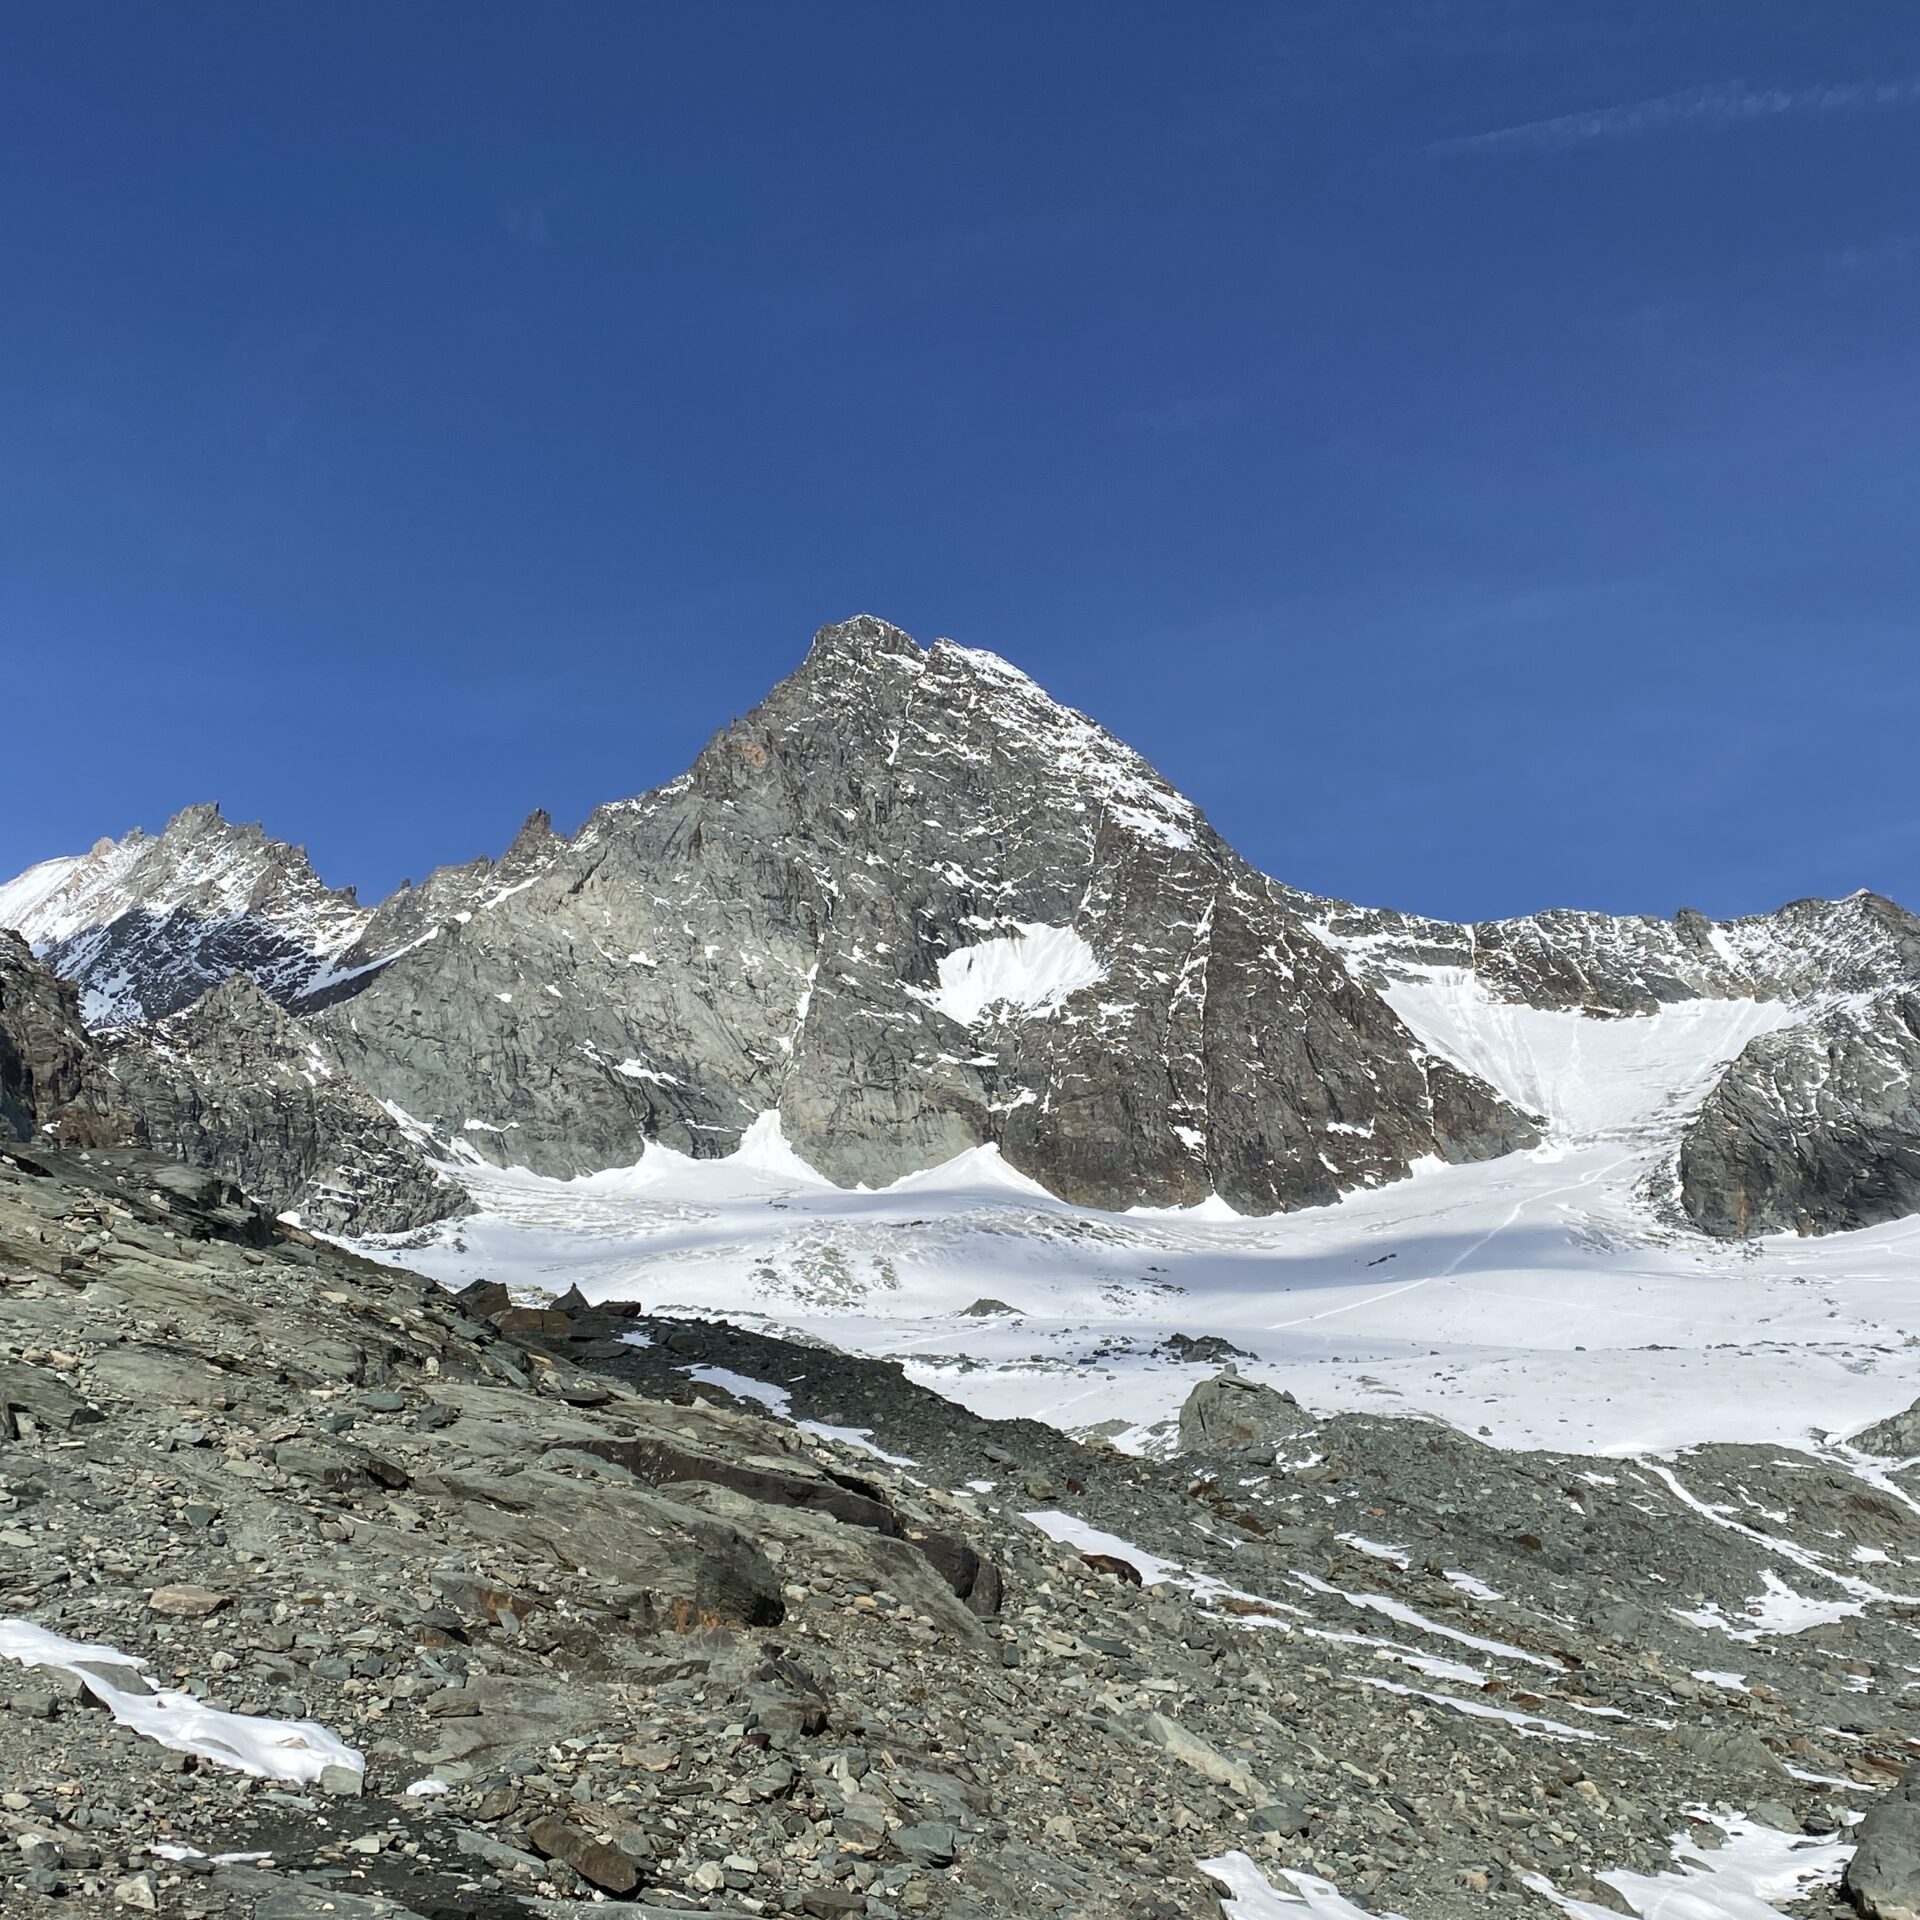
573 1606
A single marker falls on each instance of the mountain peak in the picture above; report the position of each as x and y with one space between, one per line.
191 822
863 637
535 841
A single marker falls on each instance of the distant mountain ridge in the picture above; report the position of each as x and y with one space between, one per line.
911 905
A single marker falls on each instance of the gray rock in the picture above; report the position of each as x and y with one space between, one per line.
1286 1816
766 934
1815 1129
1205 1759
304 1903
591 1859
1883 1877
39 1396
1609 965
927 1843
1897 1437
1232 1414
505 1611
690 1568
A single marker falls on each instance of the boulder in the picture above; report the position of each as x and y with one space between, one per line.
591 1859
1232 1414
1883 1877
1897 1437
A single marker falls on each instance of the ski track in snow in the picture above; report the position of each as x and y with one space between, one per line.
1539 1299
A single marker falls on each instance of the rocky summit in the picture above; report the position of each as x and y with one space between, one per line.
909 904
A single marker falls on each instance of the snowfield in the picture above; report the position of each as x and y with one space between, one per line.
1547 1299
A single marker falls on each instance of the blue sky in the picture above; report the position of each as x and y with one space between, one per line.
1471 447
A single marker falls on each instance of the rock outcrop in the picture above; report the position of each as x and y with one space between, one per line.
236 1084
1812 1129
52 1076
1897 1437
1232 1414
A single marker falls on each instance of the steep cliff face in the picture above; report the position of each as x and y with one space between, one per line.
237 1085
52 1077
913 905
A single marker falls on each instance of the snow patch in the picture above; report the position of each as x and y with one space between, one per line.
1031 971
779 1402
1738 1881
1532 1726
1074 1533
1406 1616
296 1750
1778 1609
1252 1896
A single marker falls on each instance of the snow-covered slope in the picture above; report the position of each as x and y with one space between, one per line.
1810 1122
1542 1297
146 924
1590 1079
23 898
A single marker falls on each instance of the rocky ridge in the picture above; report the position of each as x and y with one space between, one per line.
147 924
1616 964
236 1084
232 1084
